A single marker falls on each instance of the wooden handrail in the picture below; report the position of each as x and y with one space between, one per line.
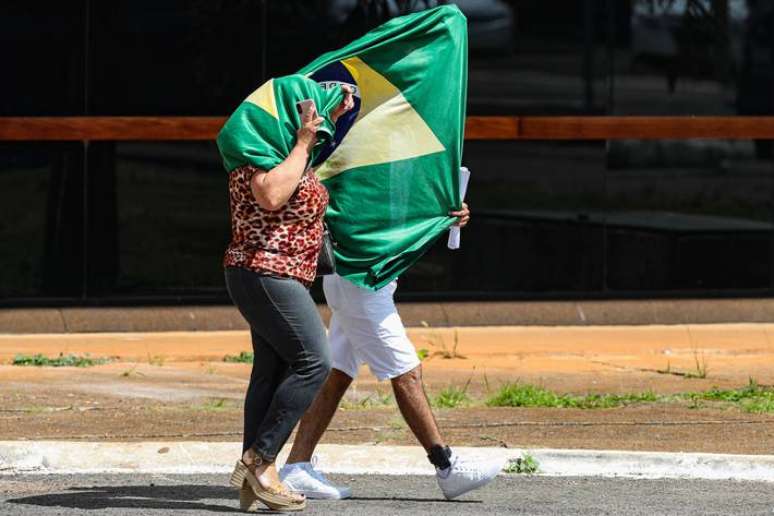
156 128
646 128
125 128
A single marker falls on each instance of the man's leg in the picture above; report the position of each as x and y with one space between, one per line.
318 417
299 473
415 408
381 341
376 335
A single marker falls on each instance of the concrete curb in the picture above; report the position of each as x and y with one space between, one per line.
66 457
86 319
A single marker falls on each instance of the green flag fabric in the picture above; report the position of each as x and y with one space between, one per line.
262 130
392 169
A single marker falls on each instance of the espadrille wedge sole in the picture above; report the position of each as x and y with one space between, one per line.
274 499
248 501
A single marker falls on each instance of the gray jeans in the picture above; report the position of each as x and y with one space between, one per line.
291 356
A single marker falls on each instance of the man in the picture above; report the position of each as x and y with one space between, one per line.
365 328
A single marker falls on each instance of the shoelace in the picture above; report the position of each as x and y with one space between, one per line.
461 465
314 472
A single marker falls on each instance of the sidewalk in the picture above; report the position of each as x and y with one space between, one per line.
202 457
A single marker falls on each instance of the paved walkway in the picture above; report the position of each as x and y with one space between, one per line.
140 495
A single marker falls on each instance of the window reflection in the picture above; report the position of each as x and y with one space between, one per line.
111 219
690 214
172 218
41 185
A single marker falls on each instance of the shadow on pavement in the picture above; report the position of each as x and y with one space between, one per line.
404 499
180 497
183 496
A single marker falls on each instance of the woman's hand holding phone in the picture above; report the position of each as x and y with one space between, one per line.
306 136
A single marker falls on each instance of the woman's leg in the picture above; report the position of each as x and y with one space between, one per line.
282 312
299 339
267 373
268 368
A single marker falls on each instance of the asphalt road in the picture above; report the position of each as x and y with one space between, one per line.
385 495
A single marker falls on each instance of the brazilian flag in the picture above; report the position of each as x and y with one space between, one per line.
262 130
392 167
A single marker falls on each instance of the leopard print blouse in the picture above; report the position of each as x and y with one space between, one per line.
283 243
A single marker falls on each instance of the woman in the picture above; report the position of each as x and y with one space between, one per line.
276 226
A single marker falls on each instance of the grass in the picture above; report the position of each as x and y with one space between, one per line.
396 428
437 340
374 400
215 405
591 401
486 384
700 365
244 357
69 360
700 370
452 397
525 395
451 354
397 424
752 398
524 465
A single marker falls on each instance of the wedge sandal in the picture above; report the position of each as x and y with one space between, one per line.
251 490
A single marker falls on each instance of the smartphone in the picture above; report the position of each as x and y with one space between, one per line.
304 107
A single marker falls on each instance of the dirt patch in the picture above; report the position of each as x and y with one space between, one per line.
203 401
176 386
654 428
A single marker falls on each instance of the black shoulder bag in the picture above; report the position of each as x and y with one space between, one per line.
326 261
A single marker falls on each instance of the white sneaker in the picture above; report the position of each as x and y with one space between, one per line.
302 477
464 476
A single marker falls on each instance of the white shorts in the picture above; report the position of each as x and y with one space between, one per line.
365 328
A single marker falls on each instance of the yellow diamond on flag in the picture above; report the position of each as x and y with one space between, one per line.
263 97
387 126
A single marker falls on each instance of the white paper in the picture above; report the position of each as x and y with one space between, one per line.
454 231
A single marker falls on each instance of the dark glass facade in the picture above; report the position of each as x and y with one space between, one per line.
102 222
